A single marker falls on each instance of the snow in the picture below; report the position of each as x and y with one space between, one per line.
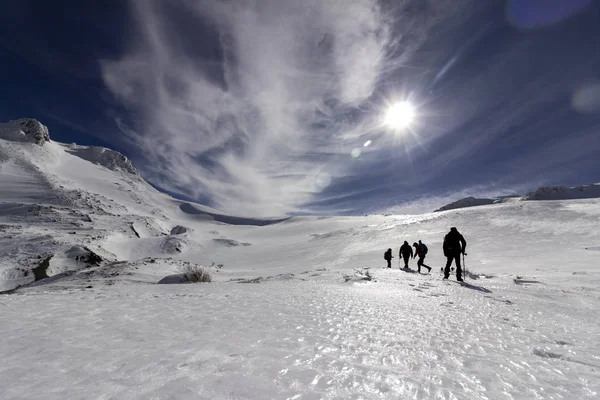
290 313
543 193
466 202
565 193
25 130
107 158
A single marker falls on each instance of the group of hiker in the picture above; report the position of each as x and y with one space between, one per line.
454 245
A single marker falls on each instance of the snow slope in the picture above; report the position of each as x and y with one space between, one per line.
467 202
289 314
543 193
565 193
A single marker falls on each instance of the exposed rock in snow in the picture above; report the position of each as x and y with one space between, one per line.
173 279
107 158
40 271
230 242
565 193
179 230
25 130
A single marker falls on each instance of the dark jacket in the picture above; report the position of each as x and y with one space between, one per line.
388 254
454 243
406 250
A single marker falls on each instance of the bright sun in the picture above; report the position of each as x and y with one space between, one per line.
399 115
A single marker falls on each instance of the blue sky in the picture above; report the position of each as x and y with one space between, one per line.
264 107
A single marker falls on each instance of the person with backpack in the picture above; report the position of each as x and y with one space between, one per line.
454 245
388 257
421 252
406 252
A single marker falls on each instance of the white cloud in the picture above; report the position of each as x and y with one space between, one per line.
243 141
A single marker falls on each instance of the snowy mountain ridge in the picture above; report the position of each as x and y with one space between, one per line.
565 193
33 131
107 158
591 191
467 202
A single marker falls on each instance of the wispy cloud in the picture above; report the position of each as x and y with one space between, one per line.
262 107
255 138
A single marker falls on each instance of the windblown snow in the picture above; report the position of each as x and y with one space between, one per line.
298 308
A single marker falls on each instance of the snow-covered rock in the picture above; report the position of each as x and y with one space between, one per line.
174 279
107 158
25 130
565 193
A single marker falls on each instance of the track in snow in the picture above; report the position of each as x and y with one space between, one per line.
404 336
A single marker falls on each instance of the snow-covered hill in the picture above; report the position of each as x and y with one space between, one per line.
565 193
291 313
466 202
543 193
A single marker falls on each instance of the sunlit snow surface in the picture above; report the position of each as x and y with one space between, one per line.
405 336
308 328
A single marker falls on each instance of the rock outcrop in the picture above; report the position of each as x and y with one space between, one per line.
25 130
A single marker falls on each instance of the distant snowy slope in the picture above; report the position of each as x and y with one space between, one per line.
543 193
565 193
228 219
466 202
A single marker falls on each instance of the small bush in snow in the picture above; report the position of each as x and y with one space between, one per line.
195 274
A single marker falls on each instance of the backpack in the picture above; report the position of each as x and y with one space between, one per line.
423 249
387 255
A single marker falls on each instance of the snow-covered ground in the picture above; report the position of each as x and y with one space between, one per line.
287 316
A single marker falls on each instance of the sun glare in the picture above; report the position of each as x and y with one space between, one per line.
399 115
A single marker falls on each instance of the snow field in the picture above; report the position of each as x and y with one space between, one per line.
403 336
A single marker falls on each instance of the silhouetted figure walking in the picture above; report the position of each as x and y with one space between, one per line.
421 252
406 252
388 257
454 245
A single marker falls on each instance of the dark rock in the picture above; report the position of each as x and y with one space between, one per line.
92 258
40 271
173 279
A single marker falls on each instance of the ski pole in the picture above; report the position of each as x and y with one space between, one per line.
465 265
